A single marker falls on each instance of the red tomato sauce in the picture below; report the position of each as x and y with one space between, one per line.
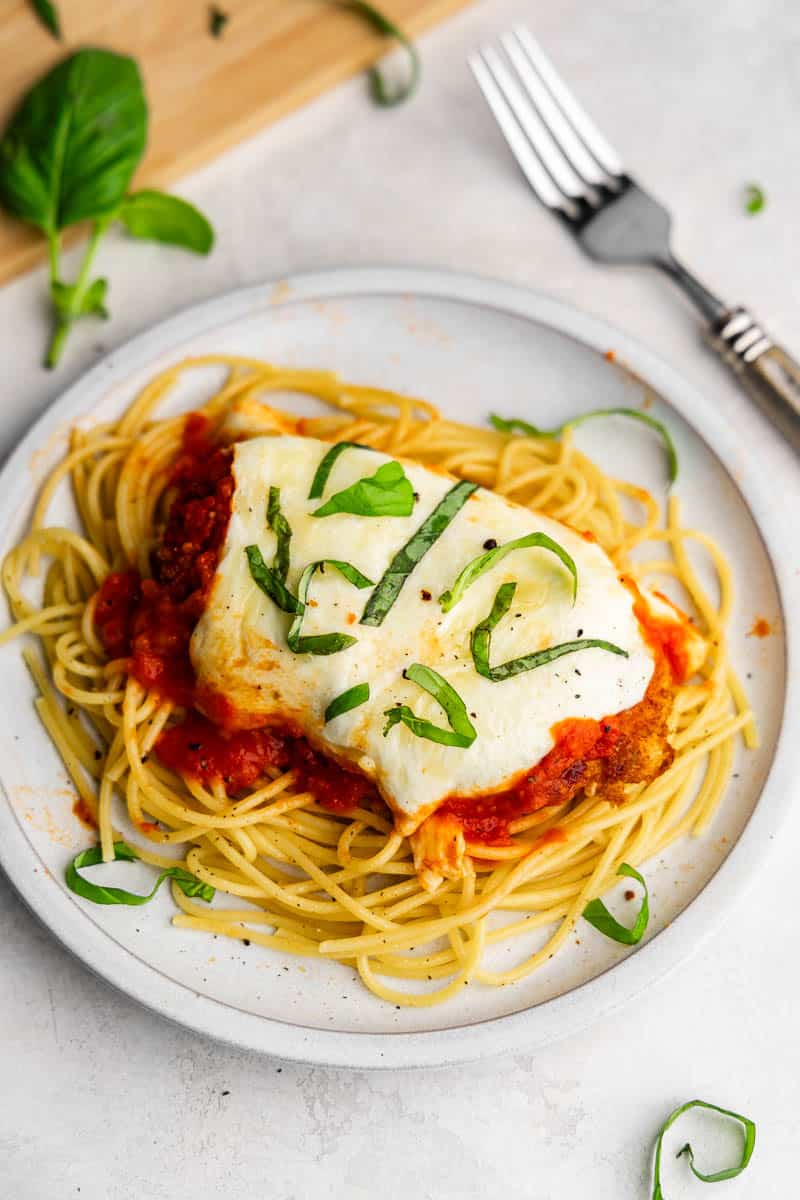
151 620
664 635
84 813
332 786
199 749
554 780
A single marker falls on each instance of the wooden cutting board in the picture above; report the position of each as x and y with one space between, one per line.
205 93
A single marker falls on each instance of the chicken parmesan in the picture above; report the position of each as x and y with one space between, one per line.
251 673
374 676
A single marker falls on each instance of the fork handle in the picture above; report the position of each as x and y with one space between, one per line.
769 373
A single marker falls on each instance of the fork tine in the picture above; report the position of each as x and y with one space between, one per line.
590 137
534 172
551 115
547 149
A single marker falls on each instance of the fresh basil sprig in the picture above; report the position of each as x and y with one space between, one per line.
326 466
517 425
322 643
381 94
387 493
354 697
68 155
408 556
748 1146
189 884
598 915
270 582
48 15
481 643
461 733
283 534
473 570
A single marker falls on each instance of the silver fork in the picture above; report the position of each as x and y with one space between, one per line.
577 174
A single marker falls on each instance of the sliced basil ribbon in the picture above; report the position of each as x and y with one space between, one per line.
748 1146
384 96
516 425
326 466
415 549
387 493
461 732
352 698
322 643
473 570
481 643
598 915
270 582
99 894
283 534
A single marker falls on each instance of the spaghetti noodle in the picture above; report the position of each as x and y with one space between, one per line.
297 876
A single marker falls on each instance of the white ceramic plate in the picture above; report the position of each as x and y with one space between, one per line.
471 346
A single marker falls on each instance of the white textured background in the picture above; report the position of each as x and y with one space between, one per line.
102 1100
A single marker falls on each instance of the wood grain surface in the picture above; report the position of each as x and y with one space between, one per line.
205 93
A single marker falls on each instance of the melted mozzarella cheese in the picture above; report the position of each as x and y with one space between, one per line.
239 647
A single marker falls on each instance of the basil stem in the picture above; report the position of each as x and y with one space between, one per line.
516 425
748 1146
598 915
387 493
270 583
382 95
481 643
352 698
99 894
283 534
326 466
415 549
461 732
473 570
322 643
48 15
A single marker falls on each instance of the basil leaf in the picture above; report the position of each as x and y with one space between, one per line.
217 20
322 643
755 198
326 466
598 915
283 534
48 15
415 549
71 148
387 493
270 582
382 95
481 643
473 570
461 732
157 217
748 1146
352 698
190 885
516 425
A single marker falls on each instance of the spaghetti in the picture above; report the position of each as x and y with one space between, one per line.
297 875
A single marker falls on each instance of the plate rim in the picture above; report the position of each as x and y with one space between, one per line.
552 1019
